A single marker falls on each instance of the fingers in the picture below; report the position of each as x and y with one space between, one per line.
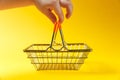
58 11
50 15
45 5
46 12
69 7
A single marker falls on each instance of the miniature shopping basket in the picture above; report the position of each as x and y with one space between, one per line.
56 56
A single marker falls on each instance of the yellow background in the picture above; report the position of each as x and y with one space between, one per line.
95 22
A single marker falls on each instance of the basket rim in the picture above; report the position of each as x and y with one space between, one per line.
61 57
88 49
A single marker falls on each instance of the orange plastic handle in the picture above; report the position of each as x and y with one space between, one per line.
57 26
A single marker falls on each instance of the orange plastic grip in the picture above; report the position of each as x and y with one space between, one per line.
57 26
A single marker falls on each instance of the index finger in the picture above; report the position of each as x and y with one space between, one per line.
58 11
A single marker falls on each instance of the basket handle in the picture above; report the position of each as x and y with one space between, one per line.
57 26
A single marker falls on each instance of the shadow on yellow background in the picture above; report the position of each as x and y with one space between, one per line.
95 22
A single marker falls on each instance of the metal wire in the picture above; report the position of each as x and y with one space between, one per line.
57 60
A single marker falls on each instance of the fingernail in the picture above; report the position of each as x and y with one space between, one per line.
67 16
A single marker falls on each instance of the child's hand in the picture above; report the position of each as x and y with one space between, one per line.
46 7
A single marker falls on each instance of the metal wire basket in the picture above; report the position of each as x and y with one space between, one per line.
64 56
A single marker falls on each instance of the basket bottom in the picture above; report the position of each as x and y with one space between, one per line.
57 66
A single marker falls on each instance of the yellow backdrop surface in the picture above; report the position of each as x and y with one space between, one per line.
95 22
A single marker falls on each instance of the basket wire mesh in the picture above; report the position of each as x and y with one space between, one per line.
54 56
